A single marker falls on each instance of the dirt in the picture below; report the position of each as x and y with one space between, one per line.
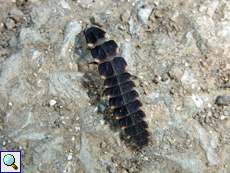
52 105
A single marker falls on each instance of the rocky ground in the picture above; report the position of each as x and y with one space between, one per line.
52 106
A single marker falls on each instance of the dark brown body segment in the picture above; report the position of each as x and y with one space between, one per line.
108 49
93 35
112 68
121 78
119 87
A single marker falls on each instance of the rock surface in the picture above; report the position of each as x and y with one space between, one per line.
52 106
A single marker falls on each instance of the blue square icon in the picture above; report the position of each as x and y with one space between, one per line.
10 161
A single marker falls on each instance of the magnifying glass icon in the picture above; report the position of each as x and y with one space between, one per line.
9 160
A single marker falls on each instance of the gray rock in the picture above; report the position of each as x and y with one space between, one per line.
156 79
125 15
68 87
73 28
103 144
20 2
188 78
223 100
4 8
98 19
176 73
16 14
10 23
143 14
209 142
227 85
158 14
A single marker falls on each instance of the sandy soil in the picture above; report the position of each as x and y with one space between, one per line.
52 106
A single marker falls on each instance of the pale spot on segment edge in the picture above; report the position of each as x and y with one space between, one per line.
97 60
109 96
126 67
117 50
103 77
106 35
112 107
90 44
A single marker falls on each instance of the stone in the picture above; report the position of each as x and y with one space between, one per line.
143 14
52 102
188 77
223 100
125 15
10 23
73 28
103 144
175 73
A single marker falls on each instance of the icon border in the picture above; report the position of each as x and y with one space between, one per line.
9 153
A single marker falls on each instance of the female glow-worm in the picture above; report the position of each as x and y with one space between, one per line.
119 86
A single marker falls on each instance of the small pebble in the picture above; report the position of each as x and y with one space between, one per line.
95 109
143 14
227 85
70 156
146 158
175 73
209 114
122 27
157 79
102 122
125 15
40 124
52 102
207 56
97 19
223 100
77 118
223 117
204 64
77 129
178 108
10 23
4 143
158 14
103 144
226 66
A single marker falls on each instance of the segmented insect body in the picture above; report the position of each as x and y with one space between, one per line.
119 87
